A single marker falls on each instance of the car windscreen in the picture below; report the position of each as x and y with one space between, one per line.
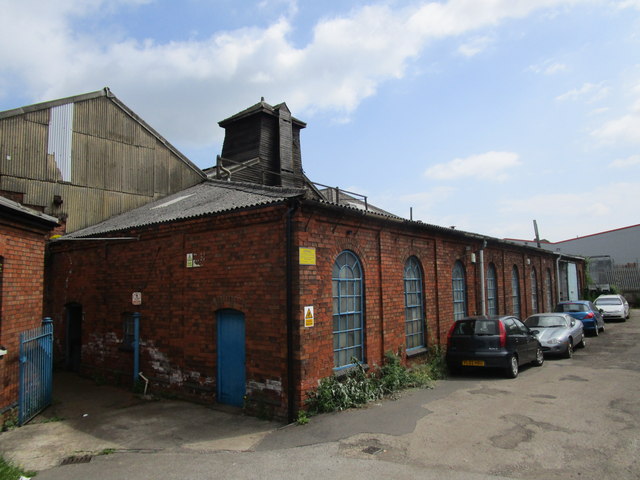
546 321
476 327
572 307
609 301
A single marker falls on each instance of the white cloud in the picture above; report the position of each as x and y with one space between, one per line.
624 129
631 161
548 67
486 166
591 92
608 206
475 46
202 81
629 4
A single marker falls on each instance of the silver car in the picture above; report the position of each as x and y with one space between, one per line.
613 307
558 333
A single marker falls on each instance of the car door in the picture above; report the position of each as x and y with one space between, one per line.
529 345
516 341
599 319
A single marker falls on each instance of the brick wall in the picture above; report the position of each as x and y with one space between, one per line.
242 267
242 259
383 250
21 298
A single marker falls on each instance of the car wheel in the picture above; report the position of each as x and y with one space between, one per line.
539 361
512 369
569 352
583 342
596 332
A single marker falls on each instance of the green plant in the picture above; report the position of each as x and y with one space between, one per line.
8 471
303 418
353 389
437 365
55 418
10 422
358 387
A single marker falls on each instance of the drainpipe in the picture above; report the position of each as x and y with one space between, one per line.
220 167
136 347
291 394
558 299
483 301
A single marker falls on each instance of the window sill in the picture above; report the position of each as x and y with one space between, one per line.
342 372
414 352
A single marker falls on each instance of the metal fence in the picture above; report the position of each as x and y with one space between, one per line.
36 371
606 275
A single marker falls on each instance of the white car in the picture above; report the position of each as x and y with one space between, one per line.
613 307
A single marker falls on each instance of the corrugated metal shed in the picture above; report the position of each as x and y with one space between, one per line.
87 158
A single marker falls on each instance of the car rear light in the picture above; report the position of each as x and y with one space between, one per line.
589 315
450 334
503 335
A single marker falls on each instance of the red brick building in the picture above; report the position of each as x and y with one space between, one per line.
252 286
23 234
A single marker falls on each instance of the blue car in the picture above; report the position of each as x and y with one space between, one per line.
585 311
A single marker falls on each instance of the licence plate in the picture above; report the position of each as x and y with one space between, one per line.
473 363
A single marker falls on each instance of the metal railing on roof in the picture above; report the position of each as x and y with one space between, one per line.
331 191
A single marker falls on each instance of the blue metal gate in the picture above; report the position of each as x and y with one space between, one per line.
36 371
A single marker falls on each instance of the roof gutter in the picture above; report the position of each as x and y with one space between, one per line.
88 239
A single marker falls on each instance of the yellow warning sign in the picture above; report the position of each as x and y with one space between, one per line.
307 256
308 317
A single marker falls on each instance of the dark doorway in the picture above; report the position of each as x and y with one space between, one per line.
74 337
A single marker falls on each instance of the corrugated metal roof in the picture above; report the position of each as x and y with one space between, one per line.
19 209
209 197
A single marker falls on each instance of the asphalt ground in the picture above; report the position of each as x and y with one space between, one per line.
575 418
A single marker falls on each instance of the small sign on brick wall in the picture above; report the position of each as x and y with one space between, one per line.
136 298
308 316
307 256
195 260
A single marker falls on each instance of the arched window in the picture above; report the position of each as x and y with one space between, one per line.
548 291
348 342
492 290
413 304
534 291
459 291
515 291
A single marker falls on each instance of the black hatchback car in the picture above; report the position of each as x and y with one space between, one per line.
493 342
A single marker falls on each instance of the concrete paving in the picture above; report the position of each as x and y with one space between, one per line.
87 420
109 432
572 418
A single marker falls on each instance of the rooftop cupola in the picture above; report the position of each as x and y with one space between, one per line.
262 145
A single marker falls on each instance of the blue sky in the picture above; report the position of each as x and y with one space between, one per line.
483 114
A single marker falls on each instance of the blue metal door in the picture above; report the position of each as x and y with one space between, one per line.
231 357
36 371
